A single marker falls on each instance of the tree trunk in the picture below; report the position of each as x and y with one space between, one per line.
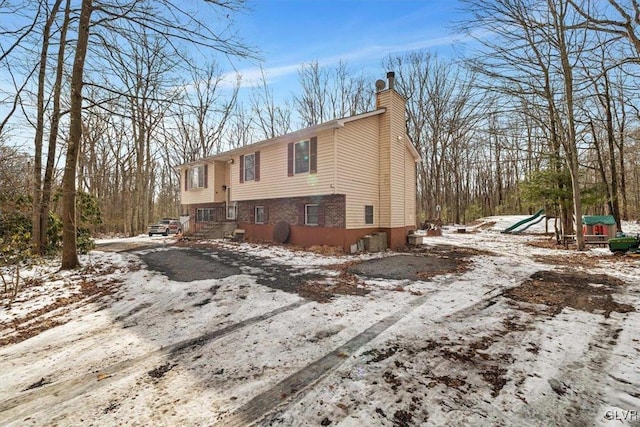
69 244
37 230
47 184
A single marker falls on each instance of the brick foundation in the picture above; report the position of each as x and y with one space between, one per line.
291 210
331 230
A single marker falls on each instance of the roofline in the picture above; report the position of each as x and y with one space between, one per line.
413 150
295 136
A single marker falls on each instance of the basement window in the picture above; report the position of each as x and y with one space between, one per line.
368 214
311 214
259 215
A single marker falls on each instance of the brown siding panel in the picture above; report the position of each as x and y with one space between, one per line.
257 166
313 155
290 159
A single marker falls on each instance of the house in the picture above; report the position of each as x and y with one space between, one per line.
598 228
329 184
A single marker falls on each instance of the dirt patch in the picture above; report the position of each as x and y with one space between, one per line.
54 314
160 371
496 377
345 283
420 263
42 382
579 290
325 292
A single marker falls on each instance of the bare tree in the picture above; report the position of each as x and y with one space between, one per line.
69 246
168 21
443 111
531 56
329 93
11 39
272 120
620 20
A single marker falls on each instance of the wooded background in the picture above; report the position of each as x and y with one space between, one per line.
541 110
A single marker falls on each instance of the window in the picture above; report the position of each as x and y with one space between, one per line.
259 215
204 215
231 212
196 177
368 214
311 214
301 156
249 167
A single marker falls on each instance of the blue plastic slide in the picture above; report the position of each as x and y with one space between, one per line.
524 221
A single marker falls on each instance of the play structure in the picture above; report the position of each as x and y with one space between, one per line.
530 221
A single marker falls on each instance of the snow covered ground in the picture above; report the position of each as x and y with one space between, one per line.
117 343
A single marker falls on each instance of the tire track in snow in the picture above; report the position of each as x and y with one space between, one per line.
57 392
295 386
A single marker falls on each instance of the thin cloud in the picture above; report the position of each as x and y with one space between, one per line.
253 76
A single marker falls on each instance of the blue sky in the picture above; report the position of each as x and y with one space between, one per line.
362 33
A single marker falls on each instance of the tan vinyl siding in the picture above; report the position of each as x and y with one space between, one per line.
358 170
274 182
198 195
384 134
398 154
396 207
220 175
410 189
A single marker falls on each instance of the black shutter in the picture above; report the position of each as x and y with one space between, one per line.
301 214
206 176
290 159
256 164
313 155
241 169
186 179
266 215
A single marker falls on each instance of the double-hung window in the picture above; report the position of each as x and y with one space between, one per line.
204 215
196 177
368 214
250 167
311 214
301 162
302 157
259 215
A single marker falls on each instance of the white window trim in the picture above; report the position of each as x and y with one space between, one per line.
306 214
232 211
373 215
244 166
295 163
200 173
255 215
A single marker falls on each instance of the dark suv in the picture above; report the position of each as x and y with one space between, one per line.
165 227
